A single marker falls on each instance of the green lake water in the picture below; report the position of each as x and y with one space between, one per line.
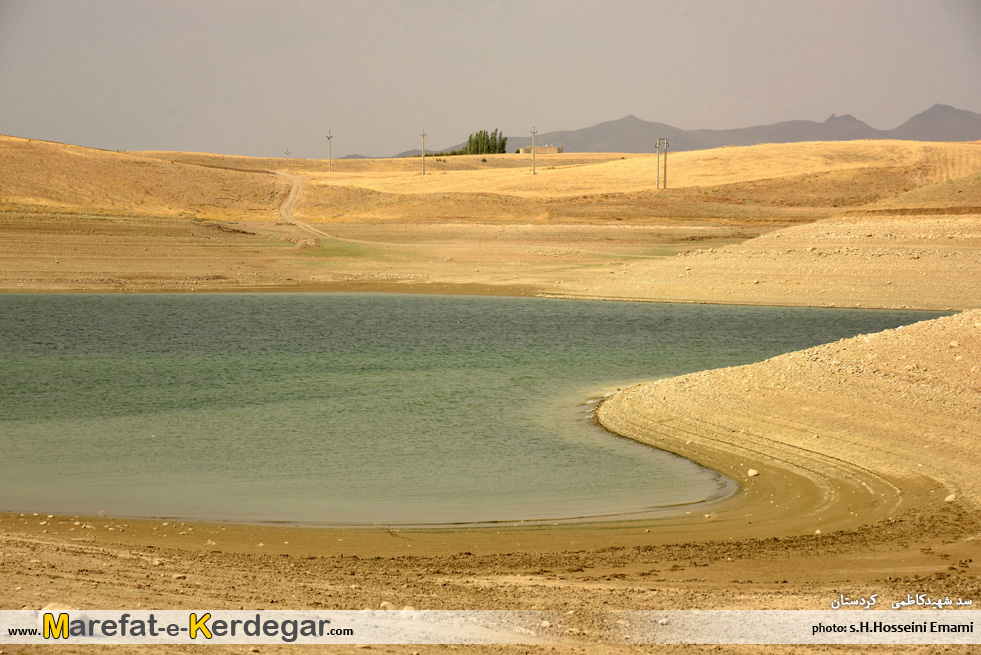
339 409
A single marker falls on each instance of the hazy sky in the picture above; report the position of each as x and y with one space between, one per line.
257 77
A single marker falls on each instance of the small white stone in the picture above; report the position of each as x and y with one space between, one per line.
951 498
752 473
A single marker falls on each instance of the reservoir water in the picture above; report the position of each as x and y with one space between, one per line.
339 409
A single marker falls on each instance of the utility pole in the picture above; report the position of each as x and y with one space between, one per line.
665 163
424 152
657 180
660 140
287 153
330 156
533 133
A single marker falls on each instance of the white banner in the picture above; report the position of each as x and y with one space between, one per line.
489 627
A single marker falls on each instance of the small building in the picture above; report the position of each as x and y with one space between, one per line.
542 150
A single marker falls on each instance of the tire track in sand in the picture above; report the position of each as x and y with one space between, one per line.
286 211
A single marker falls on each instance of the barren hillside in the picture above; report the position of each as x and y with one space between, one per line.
54 178
767 184
920 249
588 225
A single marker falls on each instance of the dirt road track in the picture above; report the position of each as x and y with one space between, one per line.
286 211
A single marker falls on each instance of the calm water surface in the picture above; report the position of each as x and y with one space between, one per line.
358 409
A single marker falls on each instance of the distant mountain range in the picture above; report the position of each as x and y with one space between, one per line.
631 134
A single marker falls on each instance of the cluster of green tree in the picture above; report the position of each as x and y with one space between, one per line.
484 142
479 143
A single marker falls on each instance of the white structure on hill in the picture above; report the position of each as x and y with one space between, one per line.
542 150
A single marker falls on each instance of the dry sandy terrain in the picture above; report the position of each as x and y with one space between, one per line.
872 441
588 224
883 261
920 249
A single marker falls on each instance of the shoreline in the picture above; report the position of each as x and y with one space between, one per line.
795 489
812 485
815 479
831 477
887 527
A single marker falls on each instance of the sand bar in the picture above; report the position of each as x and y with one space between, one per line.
859 431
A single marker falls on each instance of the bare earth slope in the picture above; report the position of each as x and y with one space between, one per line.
590 225
871 426
920 249
55 178
892 261
771 183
